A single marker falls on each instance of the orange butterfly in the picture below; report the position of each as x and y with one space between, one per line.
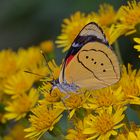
90 62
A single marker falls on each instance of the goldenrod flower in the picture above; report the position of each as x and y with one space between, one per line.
70 29
19 107
47 46
106 15
38 72
129 17
72 102
8 63
77 133
30 58
104 124
46 87
75 100
43 119
113 33
137 40
130 83
132 134
18 84
50 95
53 72
16 133
104 98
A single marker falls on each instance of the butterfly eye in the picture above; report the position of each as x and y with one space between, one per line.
86 57
92 59
102 64
95 62
104 70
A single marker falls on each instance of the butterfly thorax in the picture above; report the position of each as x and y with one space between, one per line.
65 87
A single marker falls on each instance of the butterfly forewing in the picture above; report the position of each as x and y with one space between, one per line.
92 29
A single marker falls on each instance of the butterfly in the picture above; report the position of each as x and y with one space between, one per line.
90 62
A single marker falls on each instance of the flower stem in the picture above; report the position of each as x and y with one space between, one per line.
117 50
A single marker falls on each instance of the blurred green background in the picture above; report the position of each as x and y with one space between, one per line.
24 23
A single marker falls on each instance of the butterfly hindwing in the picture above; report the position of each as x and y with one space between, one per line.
90 62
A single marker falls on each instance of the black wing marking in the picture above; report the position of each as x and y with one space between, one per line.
80 41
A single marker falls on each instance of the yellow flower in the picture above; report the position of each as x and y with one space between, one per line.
45 87
104 98
75 100
77 133
132 134
16 133
53 72
43 119
32 60
18 84
8 63
104 124
38 72
129 17
20 106
70 29
114 32
50 95
29 58
47 46
130 83
137 40
106 15
72 102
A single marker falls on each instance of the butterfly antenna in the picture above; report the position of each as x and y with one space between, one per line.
34 73
45 59
41 51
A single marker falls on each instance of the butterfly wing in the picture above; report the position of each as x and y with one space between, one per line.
90 62
90 33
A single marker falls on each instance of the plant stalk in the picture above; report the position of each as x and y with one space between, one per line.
117 50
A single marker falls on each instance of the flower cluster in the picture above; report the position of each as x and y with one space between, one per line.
18 87
31 107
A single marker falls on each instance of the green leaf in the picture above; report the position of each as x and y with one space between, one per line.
80 113
2 108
